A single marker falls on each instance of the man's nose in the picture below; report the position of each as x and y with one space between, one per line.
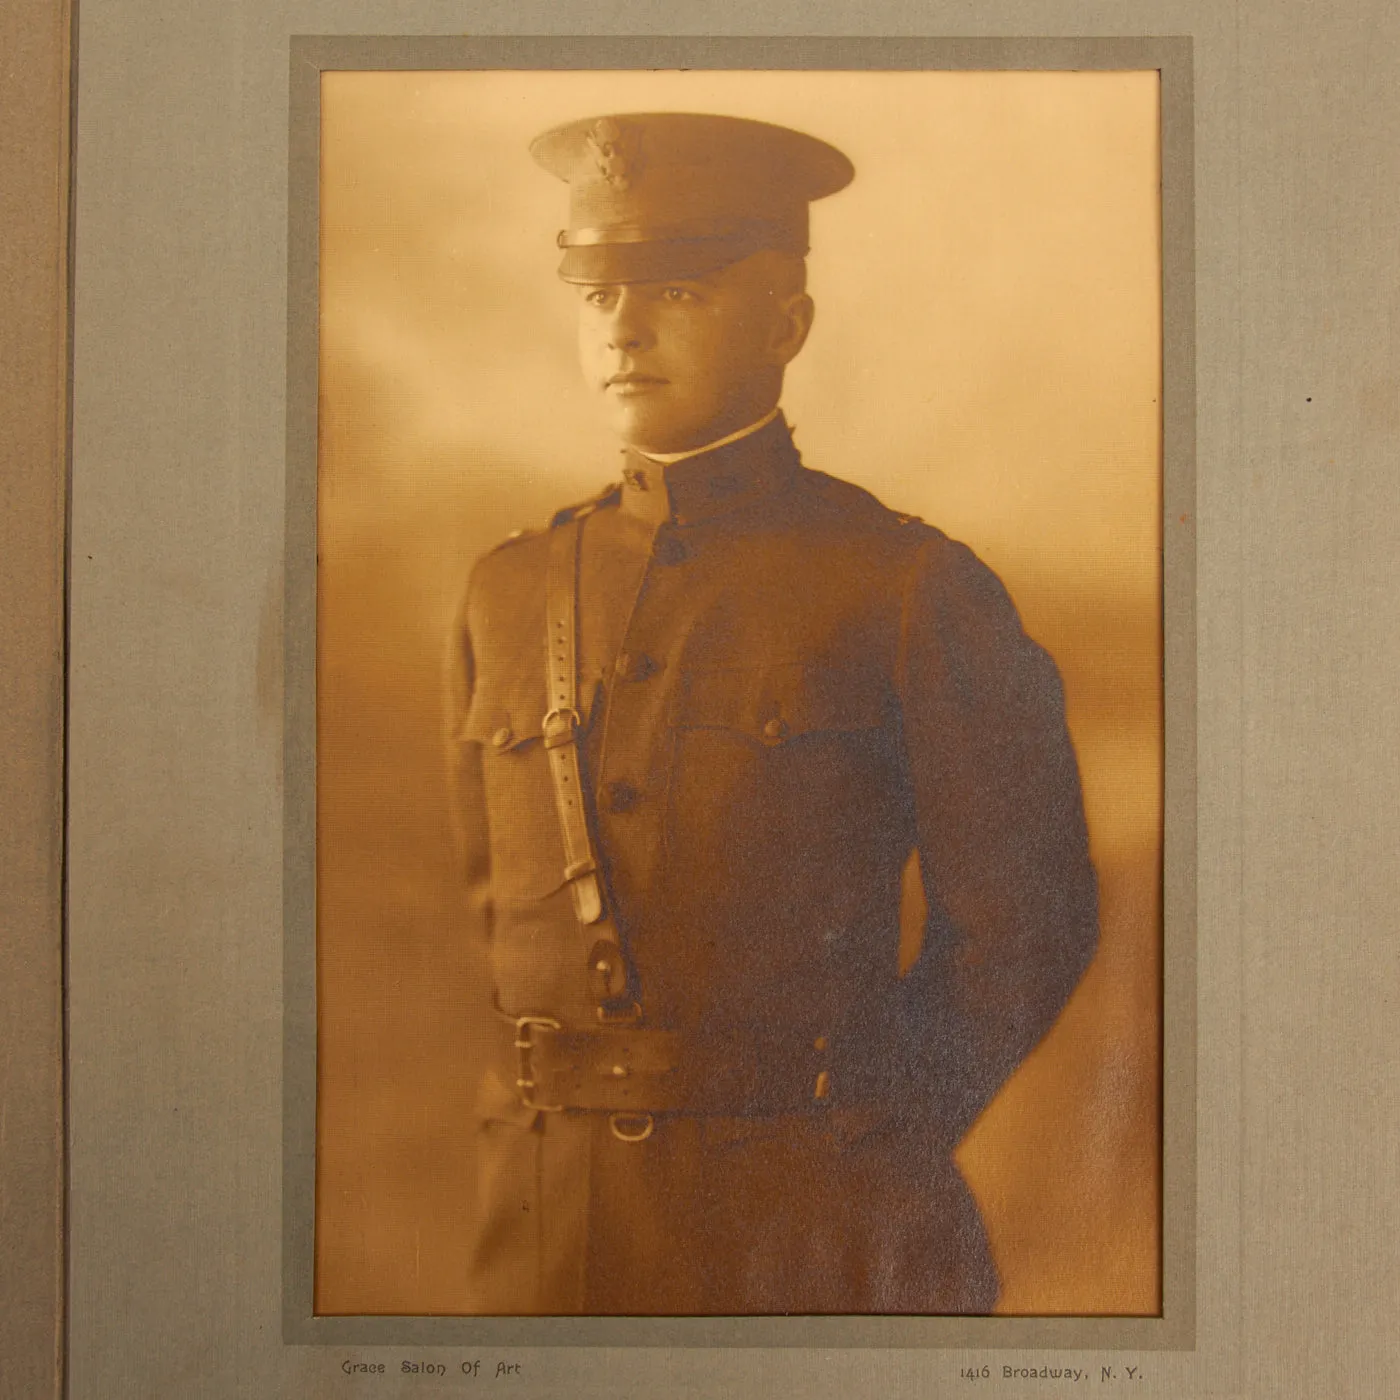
628 327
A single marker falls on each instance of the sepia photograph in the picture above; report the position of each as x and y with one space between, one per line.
739 694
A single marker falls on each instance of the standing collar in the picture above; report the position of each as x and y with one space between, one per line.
727 475
667 458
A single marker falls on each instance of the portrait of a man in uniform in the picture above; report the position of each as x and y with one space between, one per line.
767 826
698 728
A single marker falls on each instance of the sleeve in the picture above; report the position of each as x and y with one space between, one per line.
466 793
1003 847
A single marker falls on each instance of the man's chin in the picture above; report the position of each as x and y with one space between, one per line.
650 432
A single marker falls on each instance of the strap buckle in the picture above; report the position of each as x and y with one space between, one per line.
561 726
525 1074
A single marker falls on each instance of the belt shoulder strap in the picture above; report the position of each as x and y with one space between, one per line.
608 974
563 723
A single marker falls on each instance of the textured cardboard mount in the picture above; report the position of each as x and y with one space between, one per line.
34 70
181 299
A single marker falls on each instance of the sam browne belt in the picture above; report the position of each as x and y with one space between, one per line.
638 1070
620 1067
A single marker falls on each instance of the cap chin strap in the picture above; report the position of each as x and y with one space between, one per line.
783 234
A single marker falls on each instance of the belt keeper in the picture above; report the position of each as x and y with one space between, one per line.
586 866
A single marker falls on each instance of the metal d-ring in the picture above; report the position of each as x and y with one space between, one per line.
648 1126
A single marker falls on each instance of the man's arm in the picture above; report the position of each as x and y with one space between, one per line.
1012 896
466 793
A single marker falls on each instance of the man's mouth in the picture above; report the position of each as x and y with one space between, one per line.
632 382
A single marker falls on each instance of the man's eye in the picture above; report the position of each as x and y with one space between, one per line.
677 294
599 296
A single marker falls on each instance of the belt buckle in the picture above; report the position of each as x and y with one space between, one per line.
525 1075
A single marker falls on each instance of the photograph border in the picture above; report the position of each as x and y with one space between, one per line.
1175 1328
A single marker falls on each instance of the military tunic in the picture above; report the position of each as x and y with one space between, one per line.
786 689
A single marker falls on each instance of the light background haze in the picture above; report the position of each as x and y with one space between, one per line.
986 354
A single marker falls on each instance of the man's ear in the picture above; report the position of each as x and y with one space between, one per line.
792 322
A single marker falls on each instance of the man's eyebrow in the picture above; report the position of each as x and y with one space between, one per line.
657 283
691 284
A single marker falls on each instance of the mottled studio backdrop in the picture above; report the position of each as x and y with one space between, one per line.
986 354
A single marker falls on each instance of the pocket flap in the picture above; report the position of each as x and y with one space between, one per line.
503 719
778 702
502 723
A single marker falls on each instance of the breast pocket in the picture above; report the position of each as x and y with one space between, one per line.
527 850
778 756
783 804
781 703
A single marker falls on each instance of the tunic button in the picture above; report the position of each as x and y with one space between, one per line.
635 666
775 730
621 796
669 550
501 738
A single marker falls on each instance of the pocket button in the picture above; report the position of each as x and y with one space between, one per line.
775 731
621 796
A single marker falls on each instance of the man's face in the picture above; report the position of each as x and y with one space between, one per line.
681 363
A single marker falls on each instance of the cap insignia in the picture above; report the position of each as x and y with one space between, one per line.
615 148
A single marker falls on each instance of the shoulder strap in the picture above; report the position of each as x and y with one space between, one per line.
562 724
609 494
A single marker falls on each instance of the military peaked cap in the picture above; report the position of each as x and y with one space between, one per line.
678 194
